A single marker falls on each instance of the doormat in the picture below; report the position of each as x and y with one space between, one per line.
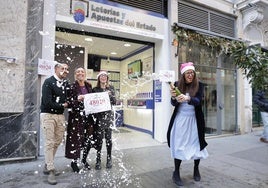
118 130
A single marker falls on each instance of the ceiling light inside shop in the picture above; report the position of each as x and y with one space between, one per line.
89 39
113 53
127 45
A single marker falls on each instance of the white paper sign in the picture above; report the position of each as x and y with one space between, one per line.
166 76
97 102
46 67
89 73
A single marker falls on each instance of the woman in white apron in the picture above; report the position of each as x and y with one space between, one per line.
186 132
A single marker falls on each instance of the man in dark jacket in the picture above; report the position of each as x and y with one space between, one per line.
261 99
52 118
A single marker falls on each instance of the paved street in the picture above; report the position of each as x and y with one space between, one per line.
238 161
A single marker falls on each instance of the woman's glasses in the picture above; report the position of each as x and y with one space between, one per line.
189 73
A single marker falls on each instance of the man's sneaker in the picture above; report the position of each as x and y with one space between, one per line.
51 178
46 171
263 140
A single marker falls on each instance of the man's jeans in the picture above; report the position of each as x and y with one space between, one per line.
264 116
53 126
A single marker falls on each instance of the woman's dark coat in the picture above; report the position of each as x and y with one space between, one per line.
104 120
197 102
79 126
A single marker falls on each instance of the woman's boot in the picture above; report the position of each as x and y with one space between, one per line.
98 161
85 154
109 156
75 166
197 176
176 174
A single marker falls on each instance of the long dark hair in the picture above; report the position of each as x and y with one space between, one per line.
98 82
190 88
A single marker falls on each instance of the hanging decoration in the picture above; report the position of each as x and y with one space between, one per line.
253 60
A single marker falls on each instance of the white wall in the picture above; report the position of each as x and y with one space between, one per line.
13 45
220 5
163 109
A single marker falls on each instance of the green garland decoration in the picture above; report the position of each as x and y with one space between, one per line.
251 59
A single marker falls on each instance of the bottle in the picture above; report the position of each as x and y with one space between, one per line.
178 92
188 95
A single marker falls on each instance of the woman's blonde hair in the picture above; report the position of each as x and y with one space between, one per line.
75 70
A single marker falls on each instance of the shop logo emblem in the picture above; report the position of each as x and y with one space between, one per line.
79 12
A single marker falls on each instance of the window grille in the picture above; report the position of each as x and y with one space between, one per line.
205 19
157 6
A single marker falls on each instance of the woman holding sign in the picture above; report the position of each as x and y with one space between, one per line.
186 132
80 126
104 121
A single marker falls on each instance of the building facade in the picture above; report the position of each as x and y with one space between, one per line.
44 36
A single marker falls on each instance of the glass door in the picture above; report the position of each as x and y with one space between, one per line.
207 75
217 73
219 103
226 98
